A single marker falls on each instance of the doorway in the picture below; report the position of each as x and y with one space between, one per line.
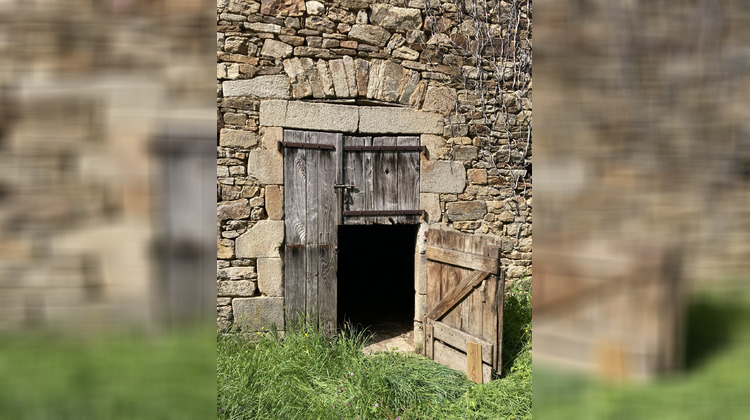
376 278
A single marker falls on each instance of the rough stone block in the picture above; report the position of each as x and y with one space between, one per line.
369 34
254 313
440 99
273 113
237 138
224 249
267 166
261 240
276 49
420 305
270 137
477 176
242 288
270 276
430 202
465 153
398 121
395 18
433 143
237 209
338 74
351 78
275 202
315 8
442 177
282 7
274 86
324 76
324 117
236 273
420 273
465 210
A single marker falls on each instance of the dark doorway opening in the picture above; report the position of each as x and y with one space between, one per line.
376 278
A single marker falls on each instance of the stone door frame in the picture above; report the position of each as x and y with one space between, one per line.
435 176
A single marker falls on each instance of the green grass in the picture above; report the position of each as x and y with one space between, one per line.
307 376
713 385
115 376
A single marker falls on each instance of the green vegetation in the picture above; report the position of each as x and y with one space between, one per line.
714 384
307 376
117 376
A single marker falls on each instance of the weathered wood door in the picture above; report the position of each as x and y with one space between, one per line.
311 169
381 176
463 325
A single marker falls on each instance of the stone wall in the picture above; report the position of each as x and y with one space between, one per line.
461 71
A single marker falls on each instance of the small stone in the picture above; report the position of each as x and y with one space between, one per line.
237 273
315 8
440 99
275 202
235 45
241 288
338 75
282 7
233 210
318 23
224 249
477 176
276 49
325 78
465 210
430 202
405 53
395 18
237 138
233 118
263 27
369 34
465 153
362 17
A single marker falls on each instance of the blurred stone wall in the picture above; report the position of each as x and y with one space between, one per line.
468 62
86 91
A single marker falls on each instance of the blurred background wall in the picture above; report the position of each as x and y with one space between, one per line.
642 173
107 133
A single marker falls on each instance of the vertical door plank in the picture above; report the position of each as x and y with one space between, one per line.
499 300
354 172
474 362
295 206
368 181
408 179
338 161
489 317
385 180
312 242
327 216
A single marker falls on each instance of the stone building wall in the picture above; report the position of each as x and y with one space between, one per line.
460 69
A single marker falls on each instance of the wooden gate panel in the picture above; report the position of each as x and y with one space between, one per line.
463 326
311 215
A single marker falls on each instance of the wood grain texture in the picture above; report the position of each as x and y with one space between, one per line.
295 207
385 180
462 259
312 227
474 361
468 298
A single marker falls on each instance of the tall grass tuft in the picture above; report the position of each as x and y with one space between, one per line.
307 375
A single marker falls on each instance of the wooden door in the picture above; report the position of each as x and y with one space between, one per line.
463 325
312 212
382 180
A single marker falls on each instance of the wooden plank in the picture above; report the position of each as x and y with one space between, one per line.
474 361
474 308
452 276
458 339
385 180
368 181
490 317
338 159
456 294
408 179
354 173
499 296
462 259
327 234
455 359
433 271
429 338
295 196
312 238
